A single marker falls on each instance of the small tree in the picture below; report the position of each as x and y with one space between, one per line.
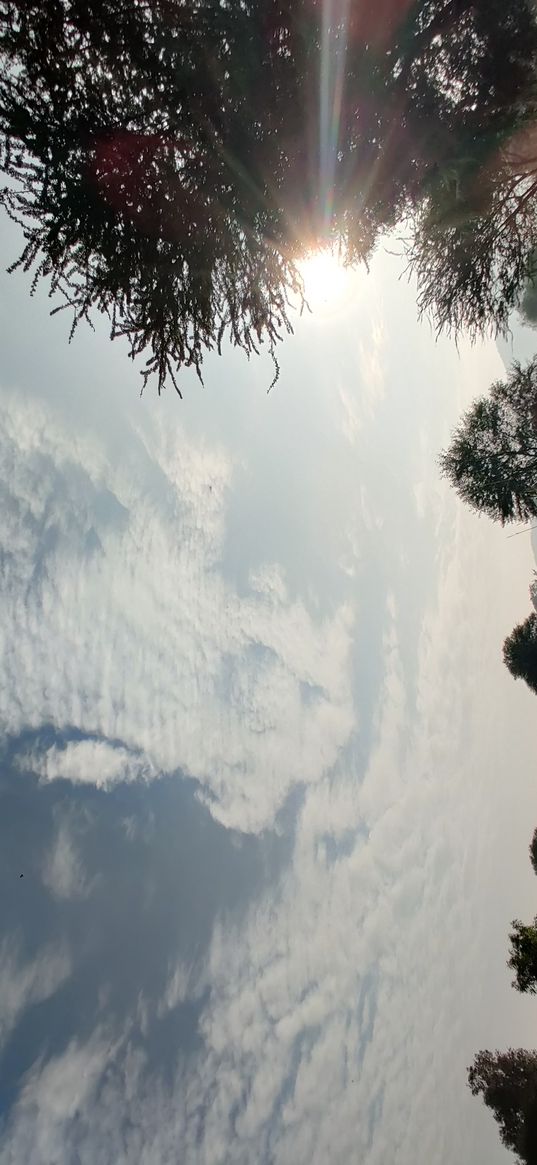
507 1082
492 459
520 651
523 959
533 852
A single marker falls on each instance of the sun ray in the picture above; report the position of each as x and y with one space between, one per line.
333 55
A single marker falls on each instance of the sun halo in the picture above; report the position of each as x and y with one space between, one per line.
328 284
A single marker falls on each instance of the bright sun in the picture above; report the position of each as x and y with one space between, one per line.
328 285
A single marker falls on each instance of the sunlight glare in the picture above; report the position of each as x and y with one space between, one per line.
328 285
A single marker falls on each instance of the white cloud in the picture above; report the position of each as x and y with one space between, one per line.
92 762
118 623
405 915
53 1099
344 1008
181 986
63 871
24 982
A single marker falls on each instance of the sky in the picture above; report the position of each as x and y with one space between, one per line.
268 782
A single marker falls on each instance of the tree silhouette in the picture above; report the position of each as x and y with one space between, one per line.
492 458
523 957
533 851
527 304
507 1082
473 244
520 651
170 160
125 132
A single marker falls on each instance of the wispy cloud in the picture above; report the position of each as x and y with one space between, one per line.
24 982
332 1016
118 624
347 1001
63 871
54 1099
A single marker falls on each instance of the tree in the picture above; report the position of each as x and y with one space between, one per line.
523 958
471 274
492 458
527 304
474 259
507 1082
474 239
170 160
533 591
125 131
533 851
520 651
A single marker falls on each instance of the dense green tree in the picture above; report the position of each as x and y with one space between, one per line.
492 458
523 957
169 160
507 1081
520 651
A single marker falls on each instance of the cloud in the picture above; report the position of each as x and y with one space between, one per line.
93 762
338 1010
182 984
53 1099
342 1009
63 871
119 625
26 982
390 914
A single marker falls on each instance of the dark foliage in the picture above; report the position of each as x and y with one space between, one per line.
520 651
507 1082
169 160
130 137
527 304
492 458
523 957
474 238
471 275
533 851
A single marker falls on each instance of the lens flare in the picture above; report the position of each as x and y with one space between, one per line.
328 285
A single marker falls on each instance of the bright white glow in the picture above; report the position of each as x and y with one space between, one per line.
328 285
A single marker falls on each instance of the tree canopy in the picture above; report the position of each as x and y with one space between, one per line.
523 957
492 458
474 262
527 304
169 160
520 651
473 245
507 1081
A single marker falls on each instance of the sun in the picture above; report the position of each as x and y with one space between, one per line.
328 285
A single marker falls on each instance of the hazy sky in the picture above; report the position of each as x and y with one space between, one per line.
268 781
